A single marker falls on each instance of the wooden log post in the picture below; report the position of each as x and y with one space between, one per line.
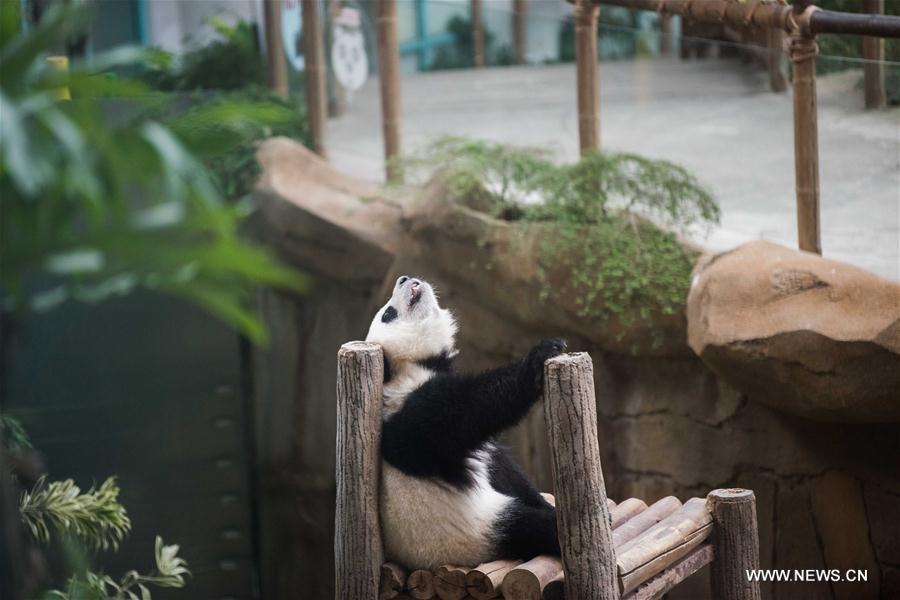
873 52
477 35
389 78
735 542
582 513
519 30
775 59
314 74
803 49
276 73
358 553
586 13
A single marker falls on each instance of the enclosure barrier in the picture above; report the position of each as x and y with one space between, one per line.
609 551
802 22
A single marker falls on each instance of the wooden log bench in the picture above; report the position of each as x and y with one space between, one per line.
625 550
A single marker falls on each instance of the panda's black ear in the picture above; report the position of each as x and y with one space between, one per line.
389 314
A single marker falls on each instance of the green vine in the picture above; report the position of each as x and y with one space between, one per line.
612 220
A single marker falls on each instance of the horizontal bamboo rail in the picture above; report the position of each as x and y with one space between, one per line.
757 12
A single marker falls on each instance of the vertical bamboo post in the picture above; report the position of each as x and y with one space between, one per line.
873 50
358 553
735 544
775 51
665 34
519 31
586 13
803 50
582 515
477 35
276 75
314 74
389 79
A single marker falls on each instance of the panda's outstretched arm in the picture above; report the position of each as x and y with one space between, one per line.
451 415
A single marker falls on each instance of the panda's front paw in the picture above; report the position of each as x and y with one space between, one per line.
538 355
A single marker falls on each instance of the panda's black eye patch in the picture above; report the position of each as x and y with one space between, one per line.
390 313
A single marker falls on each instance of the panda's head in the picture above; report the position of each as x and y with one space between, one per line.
412 327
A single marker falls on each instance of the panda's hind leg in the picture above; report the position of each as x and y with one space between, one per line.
526 531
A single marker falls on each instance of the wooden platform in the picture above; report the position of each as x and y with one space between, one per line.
656 548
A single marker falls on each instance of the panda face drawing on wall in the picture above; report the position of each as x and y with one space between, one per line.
450 492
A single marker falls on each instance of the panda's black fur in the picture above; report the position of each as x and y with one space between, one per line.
450 492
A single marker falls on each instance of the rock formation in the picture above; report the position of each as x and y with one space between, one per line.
799 332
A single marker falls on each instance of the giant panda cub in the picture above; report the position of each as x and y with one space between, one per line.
450 493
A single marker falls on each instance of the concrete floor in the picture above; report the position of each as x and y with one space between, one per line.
715 117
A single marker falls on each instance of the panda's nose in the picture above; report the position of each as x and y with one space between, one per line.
403 279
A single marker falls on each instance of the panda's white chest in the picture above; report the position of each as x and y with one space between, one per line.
427 523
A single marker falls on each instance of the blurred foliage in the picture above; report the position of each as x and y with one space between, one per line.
851 46
170 573
95 518
615 218
233 61
617 34
15 438
229 69
461 54
100 196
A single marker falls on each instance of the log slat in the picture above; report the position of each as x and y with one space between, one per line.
420 585
644 520
626 510
450 582
657 586
527 581
393 580
483 582
663 544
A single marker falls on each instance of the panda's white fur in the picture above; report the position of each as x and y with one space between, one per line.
428 523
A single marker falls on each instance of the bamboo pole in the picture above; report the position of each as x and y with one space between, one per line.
585 13
450 582
357 542
389 78
519 30
314 75
736 544
528 580
483 582
477 35
625 510
276 72
873 50
665 34
582 513
775 59
803 50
